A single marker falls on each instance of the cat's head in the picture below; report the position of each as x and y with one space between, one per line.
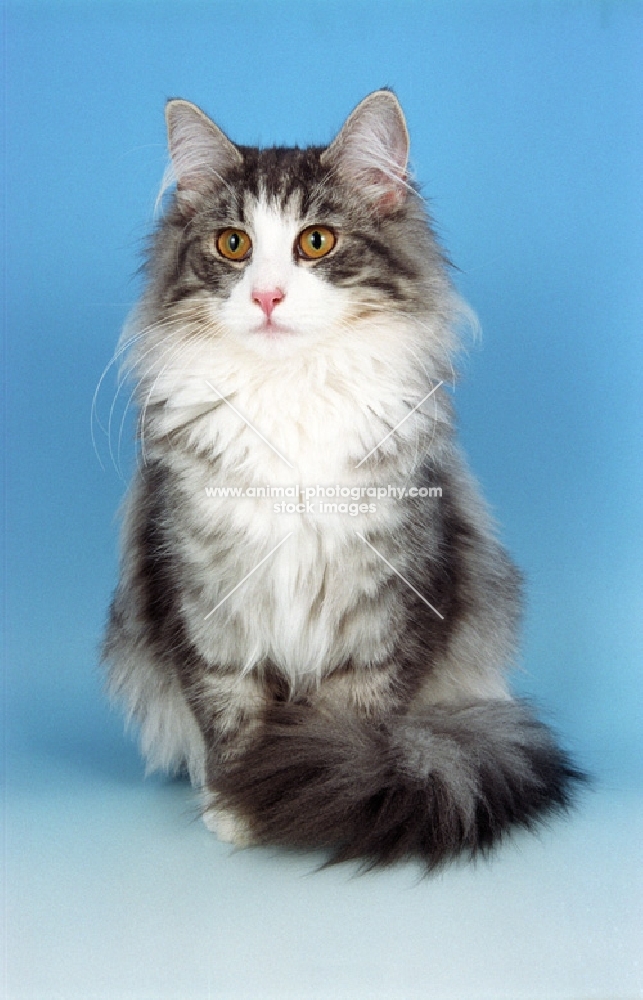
279 249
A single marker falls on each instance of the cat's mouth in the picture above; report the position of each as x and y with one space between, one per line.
269 328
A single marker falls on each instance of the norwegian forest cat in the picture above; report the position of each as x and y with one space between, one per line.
330 674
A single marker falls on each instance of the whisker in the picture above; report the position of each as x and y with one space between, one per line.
202 336
93 413
123 346
124 377
172 349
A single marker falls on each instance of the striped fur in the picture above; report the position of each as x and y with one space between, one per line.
327 680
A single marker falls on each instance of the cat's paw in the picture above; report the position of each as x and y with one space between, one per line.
229 827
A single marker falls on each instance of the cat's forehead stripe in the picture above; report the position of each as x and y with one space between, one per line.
268 207
283 173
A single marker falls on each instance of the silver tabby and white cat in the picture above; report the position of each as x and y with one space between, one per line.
329 677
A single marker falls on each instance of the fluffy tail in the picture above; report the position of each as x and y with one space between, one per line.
434 784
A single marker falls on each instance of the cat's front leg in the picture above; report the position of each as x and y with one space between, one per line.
228 706
368 691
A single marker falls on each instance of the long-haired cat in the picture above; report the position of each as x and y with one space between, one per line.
330 674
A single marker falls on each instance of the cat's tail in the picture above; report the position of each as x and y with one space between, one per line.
434 784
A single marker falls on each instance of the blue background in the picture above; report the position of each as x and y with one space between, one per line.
526 129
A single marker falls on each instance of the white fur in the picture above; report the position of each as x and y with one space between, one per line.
169 736
229 828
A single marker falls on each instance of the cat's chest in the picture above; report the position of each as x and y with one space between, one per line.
273 510
274 553
268 580
292 431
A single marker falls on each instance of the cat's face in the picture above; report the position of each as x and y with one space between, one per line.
277 298
278 249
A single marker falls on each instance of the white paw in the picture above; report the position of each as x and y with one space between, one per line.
229 828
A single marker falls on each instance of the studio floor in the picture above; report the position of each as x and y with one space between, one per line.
115 890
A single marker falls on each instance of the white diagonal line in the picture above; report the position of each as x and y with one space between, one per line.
397 426
247 576
251 426
403 578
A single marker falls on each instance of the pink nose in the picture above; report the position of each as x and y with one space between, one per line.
268 300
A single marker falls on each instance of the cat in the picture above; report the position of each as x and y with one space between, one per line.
330 675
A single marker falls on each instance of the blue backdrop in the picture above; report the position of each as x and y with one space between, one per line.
525 122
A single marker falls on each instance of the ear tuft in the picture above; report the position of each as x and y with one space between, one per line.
371 151
200 151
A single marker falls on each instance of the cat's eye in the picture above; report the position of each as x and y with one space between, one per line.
315 242
234 244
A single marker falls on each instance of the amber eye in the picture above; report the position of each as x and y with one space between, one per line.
315 242
234 244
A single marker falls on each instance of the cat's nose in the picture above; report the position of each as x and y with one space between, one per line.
268 299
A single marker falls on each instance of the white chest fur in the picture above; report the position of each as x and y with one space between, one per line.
281 577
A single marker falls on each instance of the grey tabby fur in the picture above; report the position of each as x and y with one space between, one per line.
349 691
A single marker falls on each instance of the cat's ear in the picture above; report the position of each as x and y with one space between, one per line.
200 151
371 151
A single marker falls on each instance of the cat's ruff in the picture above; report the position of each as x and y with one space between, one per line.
337 678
